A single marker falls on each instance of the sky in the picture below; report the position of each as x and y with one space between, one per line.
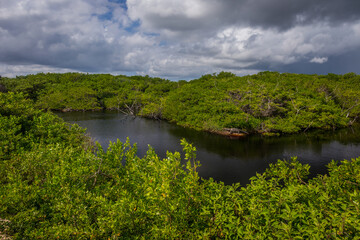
179 39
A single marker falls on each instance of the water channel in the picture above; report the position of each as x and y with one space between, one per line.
221 158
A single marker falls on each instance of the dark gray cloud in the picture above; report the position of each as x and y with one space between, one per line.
276 14
339 64
284 14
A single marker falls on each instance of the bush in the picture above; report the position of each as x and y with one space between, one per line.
52 187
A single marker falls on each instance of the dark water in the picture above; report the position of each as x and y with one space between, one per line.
221 158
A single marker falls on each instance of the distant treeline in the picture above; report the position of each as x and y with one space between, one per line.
267 102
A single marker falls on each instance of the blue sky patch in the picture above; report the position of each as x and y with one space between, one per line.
105 16
121 2
133 27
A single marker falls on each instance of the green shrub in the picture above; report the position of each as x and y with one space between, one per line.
52 186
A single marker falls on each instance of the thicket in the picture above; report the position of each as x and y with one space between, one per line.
55 186
267 102
84 92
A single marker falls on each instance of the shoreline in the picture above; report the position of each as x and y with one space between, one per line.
232 133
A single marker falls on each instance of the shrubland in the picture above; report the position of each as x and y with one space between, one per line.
55 184
269 103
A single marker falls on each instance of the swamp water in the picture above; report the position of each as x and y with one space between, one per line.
221 158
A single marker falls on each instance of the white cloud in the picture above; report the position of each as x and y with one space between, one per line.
319 60
162 9
177 18
18 70
64 33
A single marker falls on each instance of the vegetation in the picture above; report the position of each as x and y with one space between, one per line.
55 185
268 102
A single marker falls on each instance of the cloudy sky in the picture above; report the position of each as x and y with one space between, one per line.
179 39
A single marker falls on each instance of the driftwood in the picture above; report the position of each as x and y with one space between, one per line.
233 133
4 225
235 130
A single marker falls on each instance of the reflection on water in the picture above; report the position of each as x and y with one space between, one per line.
221 158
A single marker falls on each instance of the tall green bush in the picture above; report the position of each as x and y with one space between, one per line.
53 187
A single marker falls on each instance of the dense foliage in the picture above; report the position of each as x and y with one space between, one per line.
268 102
55 186
81 92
